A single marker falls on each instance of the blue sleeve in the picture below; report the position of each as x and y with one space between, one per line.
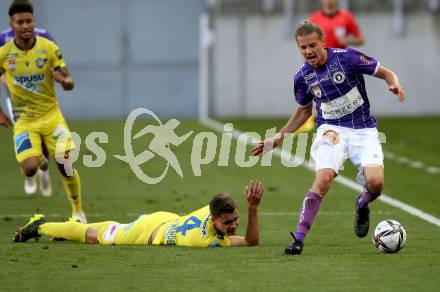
48 36
362 63
41 32
2 39
303 95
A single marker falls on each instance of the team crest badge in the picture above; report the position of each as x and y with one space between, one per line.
338 77
317 91
12 65
41 62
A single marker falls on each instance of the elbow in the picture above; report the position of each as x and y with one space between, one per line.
69 87
253 242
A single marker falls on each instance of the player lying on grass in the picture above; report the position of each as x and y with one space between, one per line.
211 226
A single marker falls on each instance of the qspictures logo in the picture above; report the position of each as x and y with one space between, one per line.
207 147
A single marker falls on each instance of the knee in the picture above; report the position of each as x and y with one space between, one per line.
92 235
30 166
375 184
323 181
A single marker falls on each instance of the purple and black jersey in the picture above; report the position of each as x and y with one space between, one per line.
338 89
8 34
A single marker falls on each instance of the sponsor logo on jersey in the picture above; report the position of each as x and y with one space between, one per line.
325 78
41 62
338 77
11 56
30 81
317 91
42 52
204 231
365 60
333 66
343 105
170 233
309 76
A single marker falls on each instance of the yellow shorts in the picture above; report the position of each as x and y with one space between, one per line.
137 232
52 128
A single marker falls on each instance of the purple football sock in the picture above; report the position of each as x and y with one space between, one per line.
367 197
310 209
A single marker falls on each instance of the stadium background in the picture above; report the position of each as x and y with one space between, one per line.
149 53
126 54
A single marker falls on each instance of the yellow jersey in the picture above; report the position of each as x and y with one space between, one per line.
29 77
195 229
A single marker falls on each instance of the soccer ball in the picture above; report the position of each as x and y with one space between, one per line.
389 236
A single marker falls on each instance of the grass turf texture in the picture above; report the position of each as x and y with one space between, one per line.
333 259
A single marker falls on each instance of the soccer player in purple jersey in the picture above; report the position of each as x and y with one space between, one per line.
333 78
30 183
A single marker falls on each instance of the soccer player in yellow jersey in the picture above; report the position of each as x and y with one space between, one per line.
210 226
43 176
31 64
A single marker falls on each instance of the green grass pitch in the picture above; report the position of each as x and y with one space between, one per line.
334 259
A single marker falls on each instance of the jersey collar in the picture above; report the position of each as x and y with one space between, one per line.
21 49
329 55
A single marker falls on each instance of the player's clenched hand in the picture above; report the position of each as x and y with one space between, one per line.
253 193
398 90
58 76
265 146
62 76
5 121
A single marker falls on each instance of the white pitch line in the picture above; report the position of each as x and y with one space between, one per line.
217 126
411 163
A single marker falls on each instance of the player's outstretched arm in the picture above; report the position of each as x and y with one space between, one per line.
62 76
253 193
298 118
393 82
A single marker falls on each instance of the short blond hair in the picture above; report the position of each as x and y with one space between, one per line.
306 28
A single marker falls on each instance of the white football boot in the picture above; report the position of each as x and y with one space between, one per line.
81 216
45 183
30 185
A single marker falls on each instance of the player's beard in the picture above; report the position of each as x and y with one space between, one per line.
231 232
26 37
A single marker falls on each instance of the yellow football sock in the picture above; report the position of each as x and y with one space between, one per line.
72 186
99 225
68 230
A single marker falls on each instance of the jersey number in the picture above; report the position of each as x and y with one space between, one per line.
190 223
